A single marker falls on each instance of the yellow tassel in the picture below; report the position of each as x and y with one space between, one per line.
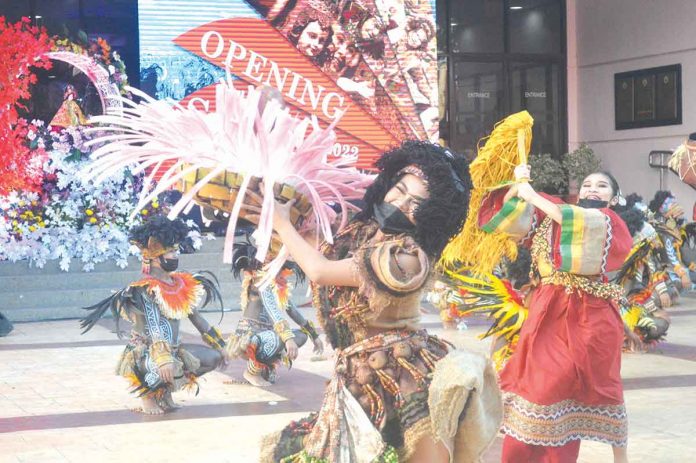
506 147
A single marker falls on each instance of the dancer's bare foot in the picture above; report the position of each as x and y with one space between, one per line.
256 380
149 407
167 403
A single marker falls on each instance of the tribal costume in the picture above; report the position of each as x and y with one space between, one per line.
667 218
640 307
263 330
394 384
563 382
156 308
688 249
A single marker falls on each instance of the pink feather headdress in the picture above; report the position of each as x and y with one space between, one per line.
273 145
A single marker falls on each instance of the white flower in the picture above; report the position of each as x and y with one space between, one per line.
112 69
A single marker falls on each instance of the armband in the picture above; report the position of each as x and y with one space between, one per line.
282 329
161 353
309 329
214 339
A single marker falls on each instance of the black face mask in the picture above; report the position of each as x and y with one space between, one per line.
391 219
168 265
592 203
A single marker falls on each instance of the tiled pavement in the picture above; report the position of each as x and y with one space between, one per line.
60 401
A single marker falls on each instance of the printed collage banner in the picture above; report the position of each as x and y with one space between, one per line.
375 60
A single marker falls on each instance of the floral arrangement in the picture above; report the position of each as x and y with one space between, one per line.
48 209
100 51
72 218
69 217
22 47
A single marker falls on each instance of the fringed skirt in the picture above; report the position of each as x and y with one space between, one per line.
379 404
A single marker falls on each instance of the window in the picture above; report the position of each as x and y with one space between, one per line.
534 26
476 26
505 56
535 87
477 102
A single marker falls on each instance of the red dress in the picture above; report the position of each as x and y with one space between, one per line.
563 382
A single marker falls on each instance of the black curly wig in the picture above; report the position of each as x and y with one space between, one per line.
632 217
443 214
633 199
168 232
659 199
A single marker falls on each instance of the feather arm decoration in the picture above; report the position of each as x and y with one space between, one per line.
211 286
489 295
506 147
121 304
631 315
273 145
636 257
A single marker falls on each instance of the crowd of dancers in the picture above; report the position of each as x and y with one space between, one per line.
597 276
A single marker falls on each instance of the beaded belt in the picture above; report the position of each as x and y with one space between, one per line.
574 282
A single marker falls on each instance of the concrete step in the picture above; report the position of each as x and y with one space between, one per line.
32 294
116 278
210 255
67 313
79 298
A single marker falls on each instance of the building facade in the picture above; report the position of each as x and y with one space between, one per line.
555 58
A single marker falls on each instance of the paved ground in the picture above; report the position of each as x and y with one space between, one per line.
60 402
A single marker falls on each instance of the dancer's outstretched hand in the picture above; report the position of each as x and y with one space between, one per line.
292 349
318 346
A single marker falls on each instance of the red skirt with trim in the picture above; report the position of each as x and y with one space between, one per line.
569 348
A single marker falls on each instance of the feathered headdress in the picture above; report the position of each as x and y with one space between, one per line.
506 147
156 237
273 146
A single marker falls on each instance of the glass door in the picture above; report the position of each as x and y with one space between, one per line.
476 103
535 87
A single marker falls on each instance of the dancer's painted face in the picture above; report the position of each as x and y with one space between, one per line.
597 187
409 193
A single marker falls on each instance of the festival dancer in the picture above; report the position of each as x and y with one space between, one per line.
645 322
668 219
154 361
397 393
263 336
563 382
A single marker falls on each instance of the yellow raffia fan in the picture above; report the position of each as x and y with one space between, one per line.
506 147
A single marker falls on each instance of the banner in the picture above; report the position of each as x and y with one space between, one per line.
374 61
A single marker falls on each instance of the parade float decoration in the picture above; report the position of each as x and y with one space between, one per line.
47 210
